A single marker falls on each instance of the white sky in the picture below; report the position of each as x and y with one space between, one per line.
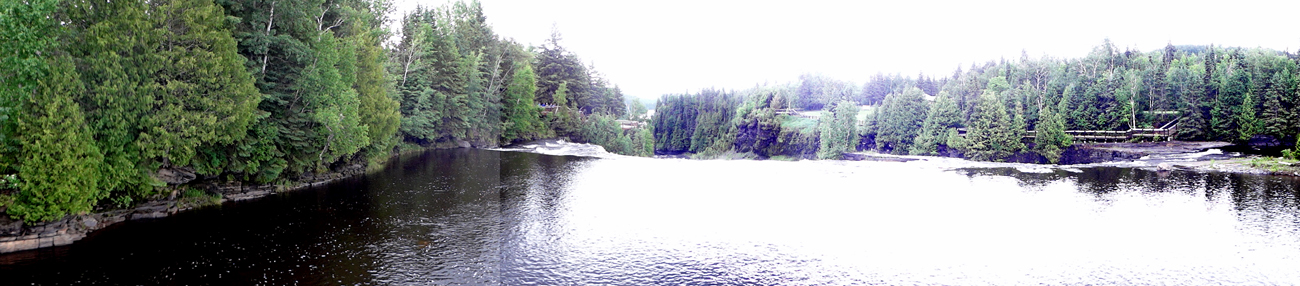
650 48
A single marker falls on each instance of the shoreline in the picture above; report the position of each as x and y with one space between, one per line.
16 236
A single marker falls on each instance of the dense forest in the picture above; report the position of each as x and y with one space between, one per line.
99 98
989 111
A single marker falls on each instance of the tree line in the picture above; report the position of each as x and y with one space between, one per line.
98 96
1208 92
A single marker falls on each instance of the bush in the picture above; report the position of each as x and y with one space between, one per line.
1293 154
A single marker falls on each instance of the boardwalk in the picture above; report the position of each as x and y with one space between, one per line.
1166 132
814 115
630 124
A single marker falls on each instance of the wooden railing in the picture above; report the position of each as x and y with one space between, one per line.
796 113
1166 131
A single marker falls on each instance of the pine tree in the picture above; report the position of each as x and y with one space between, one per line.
1247 123
1276 114
1232 115
554 66
420 107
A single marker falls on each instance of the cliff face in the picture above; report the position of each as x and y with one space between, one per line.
769 139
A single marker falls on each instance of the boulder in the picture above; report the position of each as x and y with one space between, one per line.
1261 142
175 176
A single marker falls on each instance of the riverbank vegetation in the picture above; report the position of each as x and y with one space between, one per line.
1019 110
108 103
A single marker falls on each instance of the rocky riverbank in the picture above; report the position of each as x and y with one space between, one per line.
18 236
1153 156
560 147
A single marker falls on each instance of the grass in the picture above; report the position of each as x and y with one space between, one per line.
191 197
728 155
799 123
783 158
1273 164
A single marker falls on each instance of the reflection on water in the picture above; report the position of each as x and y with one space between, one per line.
505 218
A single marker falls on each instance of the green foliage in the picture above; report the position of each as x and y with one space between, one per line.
30 33
636 110
838 133
258 90
693 123
377 107
713 121
1295 153
328 97
645 141
899 121
602 130
584 89
5 201
521 118
989 137
196 198
674 123
204 95
561 96
60 163
943 116
816 92
564 122
115 50
1050 138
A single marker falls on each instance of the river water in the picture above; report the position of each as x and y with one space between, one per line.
479 217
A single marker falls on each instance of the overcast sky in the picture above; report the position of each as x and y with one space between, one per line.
650 48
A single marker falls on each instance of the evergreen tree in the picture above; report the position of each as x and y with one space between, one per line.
561 95
1277 110
901 116
1050 138
378 109
943 116
837 131
60 163
521 119
327 94
554 66
1247 124
116 49
205 95
30 32
1232 115
988 137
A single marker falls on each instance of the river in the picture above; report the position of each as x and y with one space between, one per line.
481 217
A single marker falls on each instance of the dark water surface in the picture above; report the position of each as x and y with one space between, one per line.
477 217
